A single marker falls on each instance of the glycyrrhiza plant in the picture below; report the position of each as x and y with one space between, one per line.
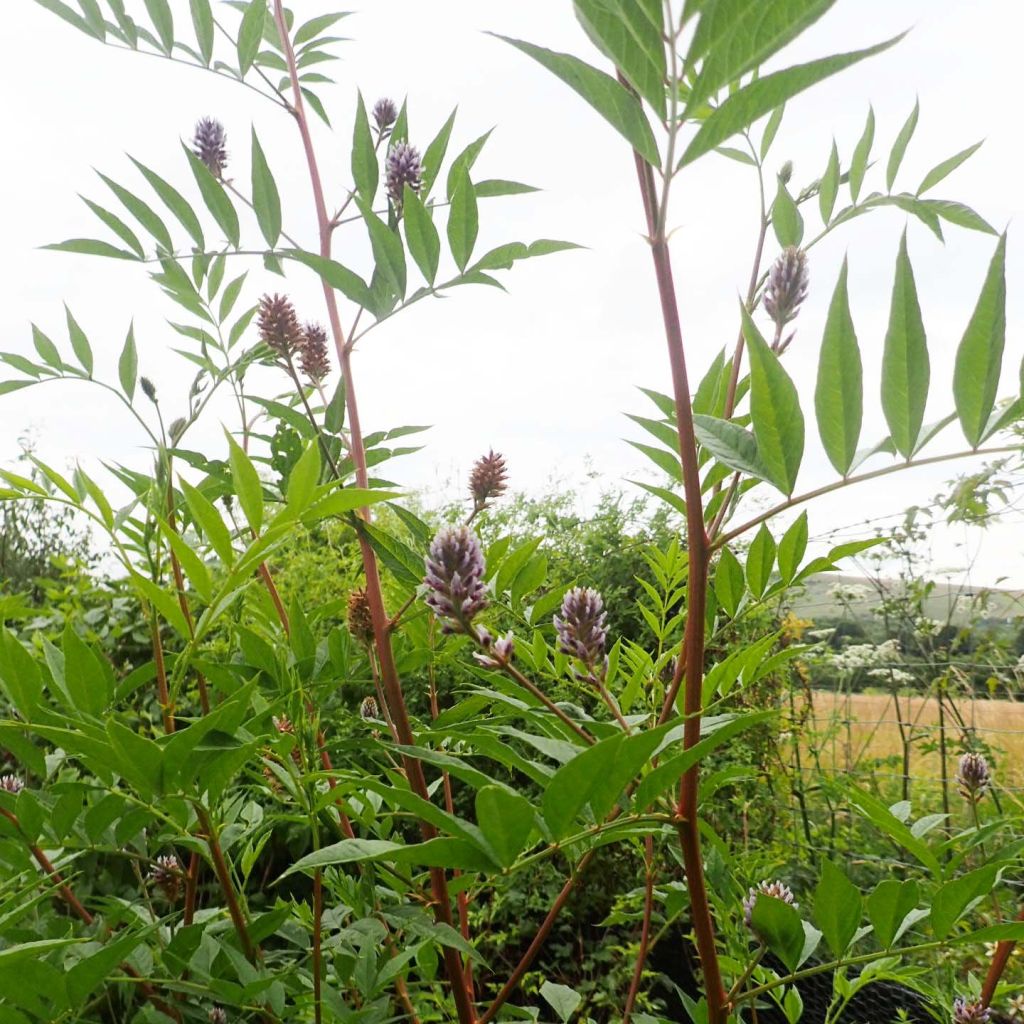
226 836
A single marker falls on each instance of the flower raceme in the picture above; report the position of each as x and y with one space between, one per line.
973 777
455 578
965 1012
581 626
776 890
488 480
403 166
209 143
385 113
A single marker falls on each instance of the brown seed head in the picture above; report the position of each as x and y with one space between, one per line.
360 621
488 480
279 326
313 356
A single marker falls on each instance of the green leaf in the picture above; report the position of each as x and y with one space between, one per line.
434 155
955 897
70 16
837 907
747 104
160 14
611 100
250 34
899 147
979 358
499 187
729 582
786 218
388 253
506 821
859 163
942 170
339 277
79 342
779 926
92 247
562 999
730 444
760 559
888 907
194 567
209 520
957 213
365 171
775 411
142 213
641 60
464 162
202 22
839 395
792 547
829 187
905 364
247 484
128 365
265 198
118 226
46 349
303 478
771 129
216 199
420 235
175 202
463 222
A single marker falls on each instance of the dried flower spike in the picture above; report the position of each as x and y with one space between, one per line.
10 783
581 625
313 356
973 776
166 876
975 1012
385 113
454 580
368 709
488 480
777 890
210 144
279 326
360 621
402 167
787 286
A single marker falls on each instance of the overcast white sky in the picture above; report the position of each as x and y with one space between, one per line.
545 373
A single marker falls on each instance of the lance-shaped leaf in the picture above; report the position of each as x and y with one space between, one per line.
163 22
247 484
175 202
421 235
899 147
940 171
613 101
388 252
775 411
463 221
266 200
763 95
202 22
839 395
829 188
216 199
980 355
250 34
760 559
365 169
735 36
859 163
786 218
128 365
730 444
905 365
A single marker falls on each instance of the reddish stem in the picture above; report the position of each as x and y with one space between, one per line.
163 694
645 930
389 673
1000 959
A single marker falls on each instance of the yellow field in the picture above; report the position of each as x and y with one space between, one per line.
866 726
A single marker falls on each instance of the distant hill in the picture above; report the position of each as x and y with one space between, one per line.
817 600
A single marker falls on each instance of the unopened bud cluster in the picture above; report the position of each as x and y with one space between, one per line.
488 480
166 875
209 143
496 653
403 166
10 783
580 626
385 113
279 329
786 288
973 777
974 1012
455 578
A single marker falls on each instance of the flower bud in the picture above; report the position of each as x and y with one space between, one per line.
210 144
313 356
10 783
786 172
970 1013
279 326
454 580
787 286
368 710
385 113
148 389
973 776
166 876
402 167
176 429
581 626
499 652
488 480
777 890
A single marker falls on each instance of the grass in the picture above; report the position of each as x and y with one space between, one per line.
862 732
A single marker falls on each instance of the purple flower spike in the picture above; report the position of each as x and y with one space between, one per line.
776 890
455 578
970 1013
210 144
385 113
581 626
973 776
403 167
